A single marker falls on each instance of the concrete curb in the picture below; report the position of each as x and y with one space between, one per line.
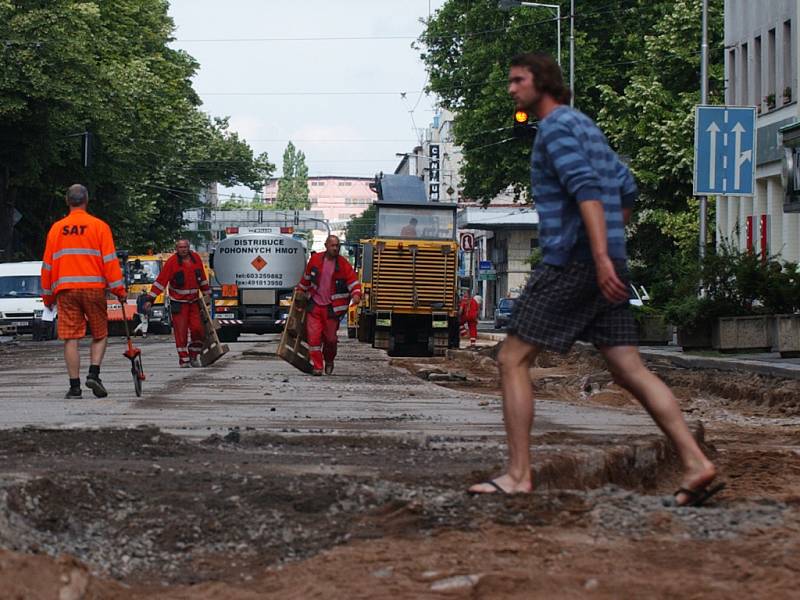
722 364
690 361
639 463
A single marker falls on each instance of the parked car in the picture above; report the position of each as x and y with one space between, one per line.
21 303
503 312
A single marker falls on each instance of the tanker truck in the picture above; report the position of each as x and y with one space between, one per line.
254 272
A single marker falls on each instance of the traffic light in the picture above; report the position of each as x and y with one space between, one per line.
522 128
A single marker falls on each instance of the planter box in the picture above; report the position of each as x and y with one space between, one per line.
694 338
733 334
786 335
653 331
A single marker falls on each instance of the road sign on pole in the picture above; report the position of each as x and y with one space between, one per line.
467 242
724 150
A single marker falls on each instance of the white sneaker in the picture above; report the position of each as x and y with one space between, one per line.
195 362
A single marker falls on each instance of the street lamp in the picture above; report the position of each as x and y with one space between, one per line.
507 5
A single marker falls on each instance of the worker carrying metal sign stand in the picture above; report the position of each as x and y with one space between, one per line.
185 275
330 284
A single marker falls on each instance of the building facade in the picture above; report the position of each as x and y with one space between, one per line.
761 70
339 199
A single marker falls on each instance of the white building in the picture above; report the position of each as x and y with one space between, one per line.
761 69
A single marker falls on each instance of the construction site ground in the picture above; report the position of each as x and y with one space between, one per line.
249 479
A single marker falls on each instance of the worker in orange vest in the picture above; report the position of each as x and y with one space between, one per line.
79 264
186 276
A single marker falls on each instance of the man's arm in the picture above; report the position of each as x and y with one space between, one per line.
353 284
46 275
594 219
111 268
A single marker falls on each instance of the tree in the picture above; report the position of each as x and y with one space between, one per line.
466 48
637 75
361 227
69 67
651 121
293 184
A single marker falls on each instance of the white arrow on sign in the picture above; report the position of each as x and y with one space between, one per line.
713 129
741 157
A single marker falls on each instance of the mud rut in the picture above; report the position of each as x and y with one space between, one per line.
148 508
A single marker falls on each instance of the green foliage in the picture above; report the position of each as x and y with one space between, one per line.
637 75
734 283
293 184
535 258
361 227
105 67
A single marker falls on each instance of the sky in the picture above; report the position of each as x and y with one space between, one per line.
350 104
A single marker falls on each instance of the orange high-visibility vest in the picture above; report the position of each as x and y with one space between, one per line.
80 254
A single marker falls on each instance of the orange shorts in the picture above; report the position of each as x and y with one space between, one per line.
76 307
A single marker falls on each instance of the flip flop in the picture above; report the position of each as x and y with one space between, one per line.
494 484
699 496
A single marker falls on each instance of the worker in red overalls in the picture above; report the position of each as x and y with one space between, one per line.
468 313
330 283
186 276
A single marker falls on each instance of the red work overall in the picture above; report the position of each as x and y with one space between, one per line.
184 322
321 330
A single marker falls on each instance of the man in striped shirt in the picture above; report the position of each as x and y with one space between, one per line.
584 196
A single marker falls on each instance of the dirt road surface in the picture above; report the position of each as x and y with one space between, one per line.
251 480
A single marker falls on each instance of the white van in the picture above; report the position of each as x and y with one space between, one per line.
21 295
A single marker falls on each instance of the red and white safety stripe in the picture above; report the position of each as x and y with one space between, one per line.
230 321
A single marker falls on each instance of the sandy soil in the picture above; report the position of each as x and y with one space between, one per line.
143 514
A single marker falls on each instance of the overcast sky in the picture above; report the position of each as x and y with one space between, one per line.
312 91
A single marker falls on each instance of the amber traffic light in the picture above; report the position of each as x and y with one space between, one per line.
522 128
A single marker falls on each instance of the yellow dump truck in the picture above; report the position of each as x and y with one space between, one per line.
142 270
408 272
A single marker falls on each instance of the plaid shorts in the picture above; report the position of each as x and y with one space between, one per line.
563 304
76 307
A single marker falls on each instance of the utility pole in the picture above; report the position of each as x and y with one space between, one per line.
703 100
572 51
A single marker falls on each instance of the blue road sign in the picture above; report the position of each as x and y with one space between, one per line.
724 150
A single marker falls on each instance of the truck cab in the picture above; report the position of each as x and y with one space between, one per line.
409 272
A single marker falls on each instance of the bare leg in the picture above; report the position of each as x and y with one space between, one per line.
72 357
514 360
98 350
628 371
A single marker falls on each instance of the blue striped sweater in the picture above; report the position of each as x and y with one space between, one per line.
572 162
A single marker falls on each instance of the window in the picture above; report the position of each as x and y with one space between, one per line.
745 94
345 183
415 222
788 71
757 76
20 286
732 81
771 66
317 183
